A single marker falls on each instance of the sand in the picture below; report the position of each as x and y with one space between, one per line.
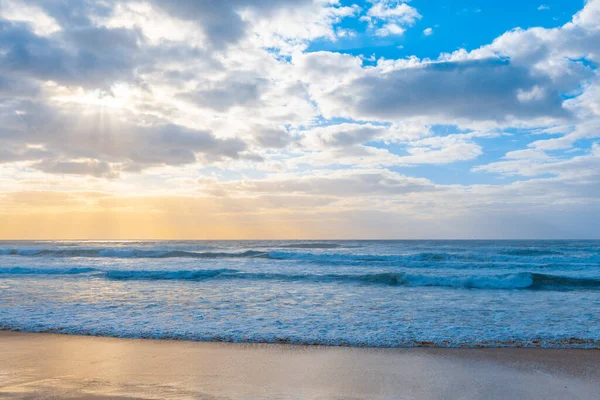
48 366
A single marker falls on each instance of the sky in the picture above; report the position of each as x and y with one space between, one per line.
299 119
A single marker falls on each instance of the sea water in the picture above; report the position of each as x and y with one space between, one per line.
350 293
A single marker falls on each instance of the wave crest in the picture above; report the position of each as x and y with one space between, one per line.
523 280
287 252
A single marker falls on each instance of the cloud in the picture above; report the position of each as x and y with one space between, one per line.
342 135
369 183
518 79
428 31
64 134
227 107
222 21
271 137
485 89
229 92
535 162
86 167
390 17
31 13
370 146
87 56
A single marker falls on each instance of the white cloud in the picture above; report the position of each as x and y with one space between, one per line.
41 22
392 9
390 29
390 17
428 31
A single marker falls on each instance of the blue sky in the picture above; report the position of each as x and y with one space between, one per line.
299 118
455 25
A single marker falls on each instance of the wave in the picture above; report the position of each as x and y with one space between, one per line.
531 252
310 246
286 252
275 255
335 257
129 253
528 257
45 271
197 275
310 339
523 280
397 258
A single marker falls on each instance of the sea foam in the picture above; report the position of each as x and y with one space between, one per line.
356 293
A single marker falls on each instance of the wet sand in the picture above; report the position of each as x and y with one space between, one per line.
48 366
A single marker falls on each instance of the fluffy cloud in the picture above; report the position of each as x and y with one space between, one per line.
229 92
222 21
60 134
487 89
534 162
390 17
87 56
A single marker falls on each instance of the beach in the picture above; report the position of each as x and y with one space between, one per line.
300 320
50 366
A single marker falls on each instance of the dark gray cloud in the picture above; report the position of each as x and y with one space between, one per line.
87 56
58 134
489 89
72 13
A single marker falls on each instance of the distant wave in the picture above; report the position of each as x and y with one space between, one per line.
286 252
45 271
310 246
523 280
128 253
433 257
275 254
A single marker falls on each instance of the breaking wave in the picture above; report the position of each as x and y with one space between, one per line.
286 252
523 280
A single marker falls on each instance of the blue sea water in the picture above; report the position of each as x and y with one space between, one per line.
350 293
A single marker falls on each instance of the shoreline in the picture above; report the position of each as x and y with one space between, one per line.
71 366
536 343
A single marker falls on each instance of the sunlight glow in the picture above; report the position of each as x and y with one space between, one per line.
115 98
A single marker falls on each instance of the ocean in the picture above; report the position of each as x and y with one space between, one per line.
345 293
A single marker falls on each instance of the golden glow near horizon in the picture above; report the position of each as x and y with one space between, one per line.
148 119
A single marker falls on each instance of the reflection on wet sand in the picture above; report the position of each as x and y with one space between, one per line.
61 366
